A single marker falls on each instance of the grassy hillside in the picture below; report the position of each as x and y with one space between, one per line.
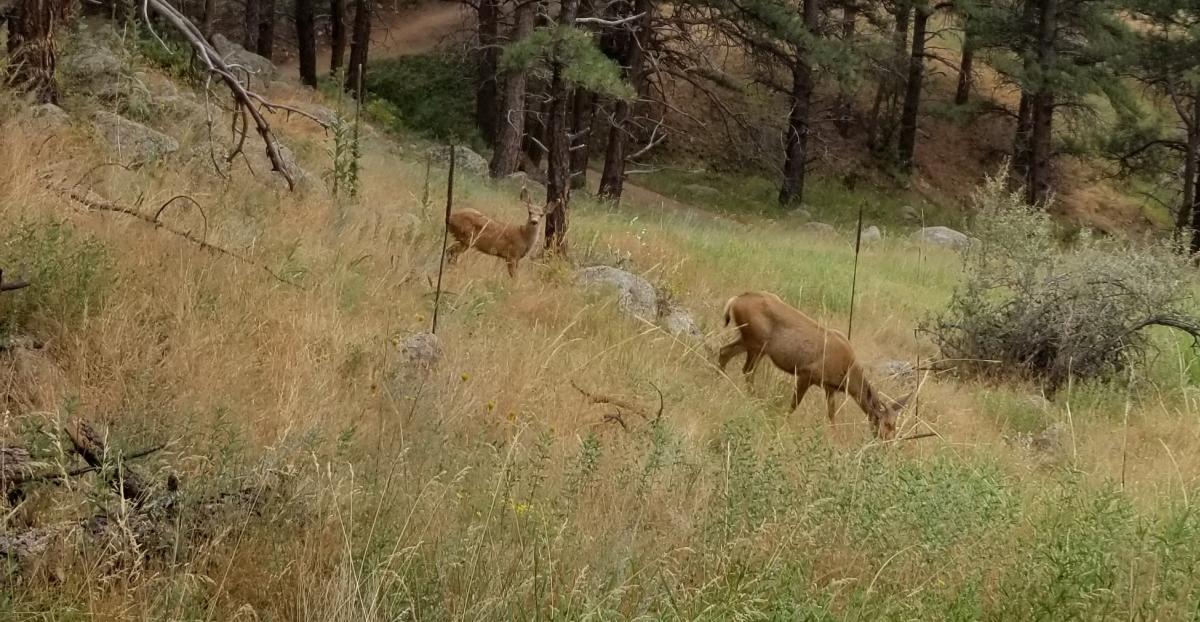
489 488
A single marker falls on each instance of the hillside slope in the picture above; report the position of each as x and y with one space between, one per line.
323 476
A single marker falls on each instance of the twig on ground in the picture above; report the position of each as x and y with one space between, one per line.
103 205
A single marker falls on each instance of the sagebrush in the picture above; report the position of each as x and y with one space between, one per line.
1028 308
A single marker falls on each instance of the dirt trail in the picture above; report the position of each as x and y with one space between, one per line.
414 30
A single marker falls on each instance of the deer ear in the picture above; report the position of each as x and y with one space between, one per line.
902 402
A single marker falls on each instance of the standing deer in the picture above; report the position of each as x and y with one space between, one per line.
511 243
816 355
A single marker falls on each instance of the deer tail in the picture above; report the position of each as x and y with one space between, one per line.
729 310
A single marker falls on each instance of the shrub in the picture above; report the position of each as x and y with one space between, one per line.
67 273
431 94
1028 308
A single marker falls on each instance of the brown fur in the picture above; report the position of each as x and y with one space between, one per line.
814 354
511 243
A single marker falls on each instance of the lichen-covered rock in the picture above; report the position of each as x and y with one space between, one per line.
819 228
261 71
635 295
871 235
421 350
893 368
51 117
702 190
464 159
679 322
132 140
942 236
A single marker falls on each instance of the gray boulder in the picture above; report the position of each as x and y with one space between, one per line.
894 368
800 213
702 190
871 234
183 108
132 140
635 295
92 63
910 214
679 322
464 159
819 228
942 236
261 70
51 117
421 350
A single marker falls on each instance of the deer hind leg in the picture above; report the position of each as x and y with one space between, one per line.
752 359
730 351
831 402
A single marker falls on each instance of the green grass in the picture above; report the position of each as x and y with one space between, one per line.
827 200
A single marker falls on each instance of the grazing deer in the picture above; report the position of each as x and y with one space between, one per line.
472 229
814 354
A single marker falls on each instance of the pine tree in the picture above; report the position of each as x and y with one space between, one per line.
570 59
1055 53
1164 57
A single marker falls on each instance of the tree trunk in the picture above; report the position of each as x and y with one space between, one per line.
558 166
250 34
31 57
912 95
486 91
612 179
506 158
209 20
535 128
306 39
1194 246
795 162
844 108
266 29
337 35
883 111
584 109
358 46
1190 160
1042 108
965 70
1020 155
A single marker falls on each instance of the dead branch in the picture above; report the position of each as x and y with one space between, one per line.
616 418
27 476
203 216
93 448
244 99
11 285
621 403
102 205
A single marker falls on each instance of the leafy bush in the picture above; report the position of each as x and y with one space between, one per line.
431 94
67 273
1028 308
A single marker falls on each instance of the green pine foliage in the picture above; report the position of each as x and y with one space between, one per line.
584 65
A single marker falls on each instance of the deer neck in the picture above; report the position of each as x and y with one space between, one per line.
529 233
867 398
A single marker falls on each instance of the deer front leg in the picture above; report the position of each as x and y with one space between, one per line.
803 382
512 268
453 252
